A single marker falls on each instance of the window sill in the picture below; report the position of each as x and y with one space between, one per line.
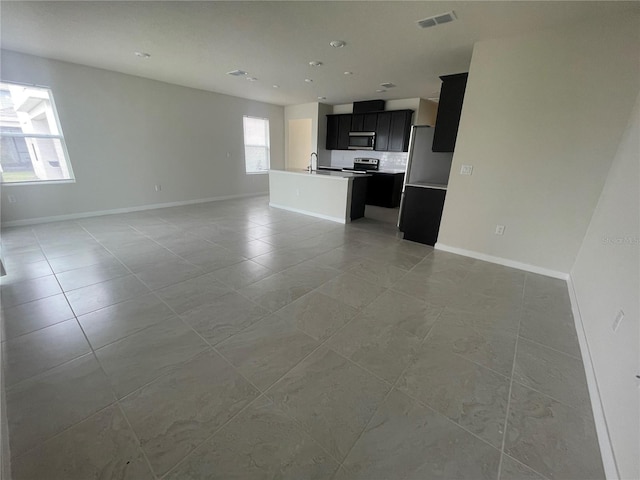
257 173
38 182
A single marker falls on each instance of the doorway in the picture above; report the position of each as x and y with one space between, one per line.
299 143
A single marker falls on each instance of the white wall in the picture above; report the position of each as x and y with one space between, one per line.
542 118
427 113
606 280
126 134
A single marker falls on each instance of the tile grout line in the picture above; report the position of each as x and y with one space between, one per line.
95 357
108 378
213 348
550 348
513 369
393 386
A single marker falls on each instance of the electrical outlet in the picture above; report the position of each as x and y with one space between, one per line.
158 188
499 229
228 154
617 321
11 198
466 169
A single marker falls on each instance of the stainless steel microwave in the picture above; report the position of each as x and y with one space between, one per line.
362 140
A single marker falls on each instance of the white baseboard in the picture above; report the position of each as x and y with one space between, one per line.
503 261
602 430
97 213
306 212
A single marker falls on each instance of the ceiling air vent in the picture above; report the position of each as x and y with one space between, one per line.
237 73
437 19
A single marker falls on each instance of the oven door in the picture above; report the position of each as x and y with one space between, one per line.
362 140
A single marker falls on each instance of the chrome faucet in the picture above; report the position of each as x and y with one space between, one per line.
311 161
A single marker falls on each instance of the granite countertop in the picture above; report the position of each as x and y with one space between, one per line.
393 171
323 173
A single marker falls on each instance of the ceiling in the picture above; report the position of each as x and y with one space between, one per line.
195 43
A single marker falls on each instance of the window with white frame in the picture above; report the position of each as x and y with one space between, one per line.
32 147
256 144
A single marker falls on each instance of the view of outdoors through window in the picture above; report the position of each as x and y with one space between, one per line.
31 144
256 144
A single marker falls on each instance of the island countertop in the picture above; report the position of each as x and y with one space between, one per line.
324 173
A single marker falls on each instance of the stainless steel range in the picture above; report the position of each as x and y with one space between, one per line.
364 165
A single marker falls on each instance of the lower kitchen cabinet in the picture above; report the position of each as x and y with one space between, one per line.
421 212
385 189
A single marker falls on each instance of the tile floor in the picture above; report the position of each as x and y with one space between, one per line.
230 340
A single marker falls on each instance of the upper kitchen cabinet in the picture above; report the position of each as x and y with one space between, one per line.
392 131
400 131
364 122
338 128
449 110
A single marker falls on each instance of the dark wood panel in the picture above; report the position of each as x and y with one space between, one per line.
385 189
332 132
400 131
358 197
344 127
383 129
449 110
421 214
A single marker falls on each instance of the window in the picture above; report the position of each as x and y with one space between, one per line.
256 144
32 147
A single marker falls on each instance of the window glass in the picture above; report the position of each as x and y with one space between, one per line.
32 147
256 144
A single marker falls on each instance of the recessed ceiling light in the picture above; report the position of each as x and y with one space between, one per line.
387 85
348 73
237 73
252 79
315 63
276 86
322 98
308 80
142 54
380 90
337 43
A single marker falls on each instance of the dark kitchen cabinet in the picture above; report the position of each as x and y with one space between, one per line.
421 212
364 122
392 131
383 129
385 189
449 110
332 132
400 130
338 128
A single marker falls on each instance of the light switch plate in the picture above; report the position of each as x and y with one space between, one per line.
466 169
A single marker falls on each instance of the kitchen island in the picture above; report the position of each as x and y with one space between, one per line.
336 196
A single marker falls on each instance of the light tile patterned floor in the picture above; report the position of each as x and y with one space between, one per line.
231 340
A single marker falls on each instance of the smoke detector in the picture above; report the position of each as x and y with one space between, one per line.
237 73
387 85
437 19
